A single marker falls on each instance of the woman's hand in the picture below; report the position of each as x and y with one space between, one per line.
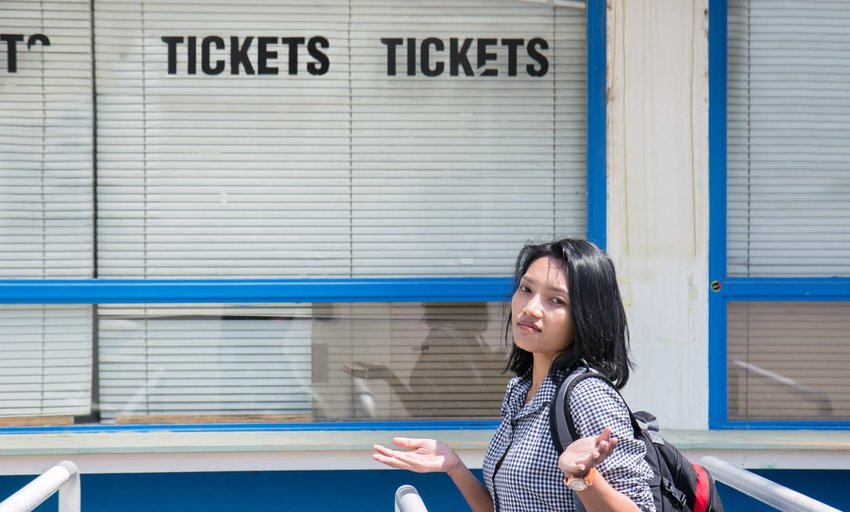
429 456
587 452
422 455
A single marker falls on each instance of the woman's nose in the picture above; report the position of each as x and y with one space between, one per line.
533 307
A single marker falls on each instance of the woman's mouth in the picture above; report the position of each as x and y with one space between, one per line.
528 327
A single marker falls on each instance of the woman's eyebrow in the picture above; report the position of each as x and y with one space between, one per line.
556 289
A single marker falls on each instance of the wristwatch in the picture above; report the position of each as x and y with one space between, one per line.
579 484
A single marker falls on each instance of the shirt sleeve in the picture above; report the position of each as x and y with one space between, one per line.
596 405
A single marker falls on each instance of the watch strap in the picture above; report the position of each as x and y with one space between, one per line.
587 480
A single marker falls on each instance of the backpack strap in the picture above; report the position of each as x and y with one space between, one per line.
647 422
561 423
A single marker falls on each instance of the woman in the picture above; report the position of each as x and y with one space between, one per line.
566 306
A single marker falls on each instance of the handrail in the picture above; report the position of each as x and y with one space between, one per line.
63 477
821 398
762 489
407 499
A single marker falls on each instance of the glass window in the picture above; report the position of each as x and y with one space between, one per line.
45 364
782 286
787 131
267 363
788 361
336 138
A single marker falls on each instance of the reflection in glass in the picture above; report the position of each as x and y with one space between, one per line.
204 364
267 363
440 367
788 361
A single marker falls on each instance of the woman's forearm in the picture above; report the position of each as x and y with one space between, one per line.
473 491
601 497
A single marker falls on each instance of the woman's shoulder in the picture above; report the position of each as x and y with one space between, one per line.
517 382
595 404
595 389
515 391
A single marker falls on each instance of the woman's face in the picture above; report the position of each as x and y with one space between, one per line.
540 310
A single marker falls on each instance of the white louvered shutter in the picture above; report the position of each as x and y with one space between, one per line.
570 137
46 207
204 363
45 361
46 210
226 175
788 131
351 173
450 175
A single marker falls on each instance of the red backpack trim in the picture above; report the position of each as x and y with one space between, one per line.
702 497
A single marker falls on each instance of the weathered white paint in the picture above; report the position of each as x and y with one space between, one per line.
316 460
658 199
164 451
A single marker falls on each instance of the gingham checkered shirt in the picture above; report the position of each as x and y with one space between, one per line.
528 478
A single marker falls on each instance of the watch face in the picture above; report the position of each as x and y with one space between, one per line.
577 484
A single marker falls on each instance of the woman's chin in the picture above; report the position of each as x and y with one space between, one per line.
527 343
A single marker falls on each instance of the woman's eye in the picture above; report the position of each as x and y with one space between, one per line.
524 289
559 301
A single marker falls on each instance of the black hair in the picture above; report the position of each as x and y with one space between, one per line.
601 334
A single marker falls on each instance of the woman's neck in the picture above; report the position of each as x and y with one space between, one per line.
539 370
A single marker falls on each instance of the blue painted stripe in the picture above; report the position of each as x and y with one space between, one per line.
786 289
785 425
339 426
717 15
717 138
461 289
717 385
597 208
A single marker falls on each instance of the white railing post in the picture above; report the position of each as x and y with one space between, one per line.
64 477
407 499
70 494
762 489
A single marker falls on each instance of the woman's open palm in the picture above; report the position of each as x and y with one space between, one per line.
420 455
587 452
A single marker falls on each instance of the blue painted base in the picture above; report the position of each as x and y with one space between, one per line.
827 486
352 491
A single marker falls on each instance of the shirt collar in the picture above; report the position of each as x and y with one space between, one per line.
541 399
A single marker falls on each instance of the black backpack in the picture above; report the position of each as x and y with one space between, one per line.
678 485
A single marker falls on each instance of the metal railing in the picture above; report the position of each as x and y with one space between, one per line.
818 397
407 499
762 489
63 477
